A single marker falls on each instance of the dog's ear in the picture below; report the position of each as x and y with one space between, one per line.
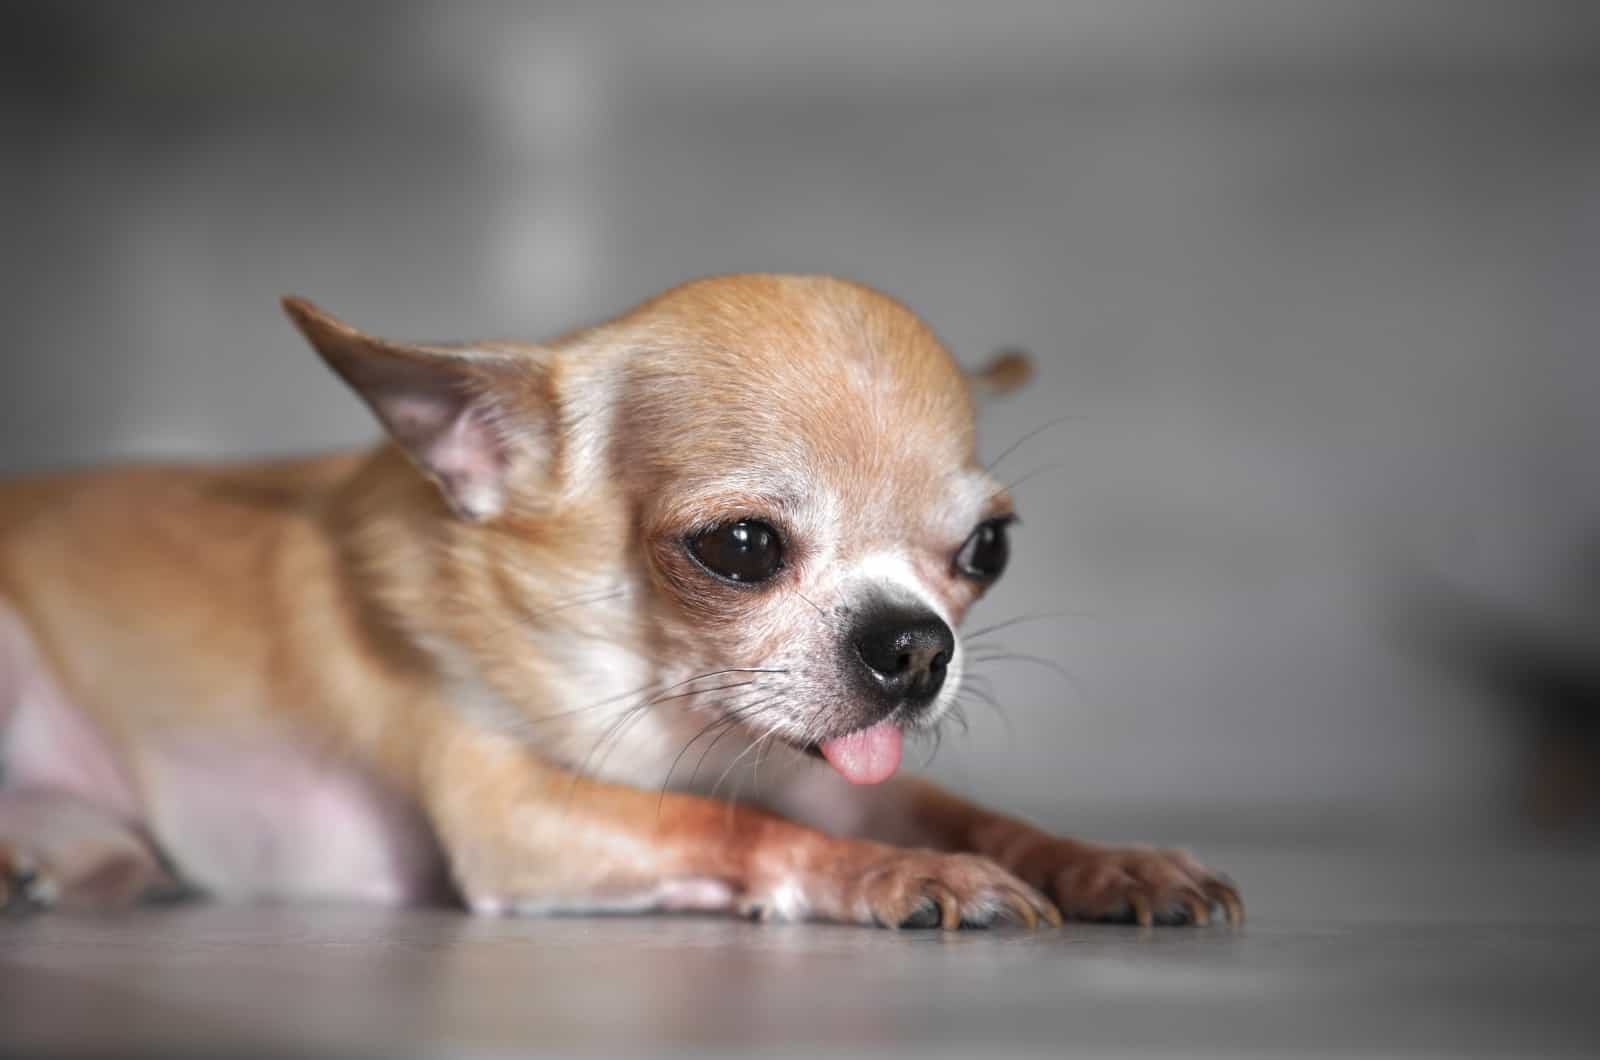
462 415
1007 370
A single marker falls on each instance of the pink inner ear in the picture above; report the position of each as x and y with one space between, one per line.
454 441
469 462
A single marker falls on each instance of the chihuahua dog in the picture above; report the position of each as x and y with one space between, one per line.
511 656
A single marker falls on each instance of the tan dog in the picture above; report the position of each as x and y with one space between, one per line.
513 654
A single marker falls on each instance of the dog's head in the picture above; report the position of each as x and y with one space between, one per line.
778 474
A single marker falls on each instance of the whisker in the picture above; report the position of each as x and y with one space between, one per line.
814 607
538 616
701 691
772 741
615 730
808 732
959 716
1035 473
616 734
988 700
611 735
982 695
754 710
723 721
1008 623
1014 446
1049 664
666 781
656 685
762 745
740 757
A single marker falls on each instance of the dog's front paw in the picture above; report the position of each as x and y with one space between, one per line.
25 886
1130 884
897 888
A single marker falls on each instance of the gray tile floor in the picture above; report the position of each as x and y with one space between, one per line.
1487 951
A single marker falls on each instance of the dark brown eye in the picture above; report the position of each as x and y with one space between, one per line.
985 553
747 551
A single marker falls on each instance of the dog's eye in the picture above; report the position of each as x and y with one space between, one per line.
746 551
985 553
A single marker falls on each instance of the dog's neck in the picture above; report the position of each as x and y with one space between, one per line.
443 603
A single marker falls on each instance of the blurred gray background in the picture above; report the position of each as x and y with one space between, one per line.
1316 283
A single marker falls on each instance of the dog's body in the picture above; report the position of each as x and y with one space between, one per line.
651 561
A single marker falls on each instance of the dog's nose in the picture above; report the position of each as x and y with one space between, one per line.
906 653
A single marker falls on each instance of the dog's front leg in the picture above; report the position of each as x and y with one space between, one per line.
522 836
1087 881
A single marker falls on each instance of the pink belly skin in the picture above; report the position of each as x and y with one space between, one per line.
239 815
268 819
45 741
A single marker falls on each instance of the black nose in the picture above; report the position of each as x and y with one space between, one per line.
906 653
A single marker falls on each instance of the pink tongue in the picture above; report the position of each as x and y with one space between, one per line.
867 757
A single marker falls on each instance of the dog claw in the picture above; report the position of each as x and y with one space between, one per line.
1023 910
1223 892
949 906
